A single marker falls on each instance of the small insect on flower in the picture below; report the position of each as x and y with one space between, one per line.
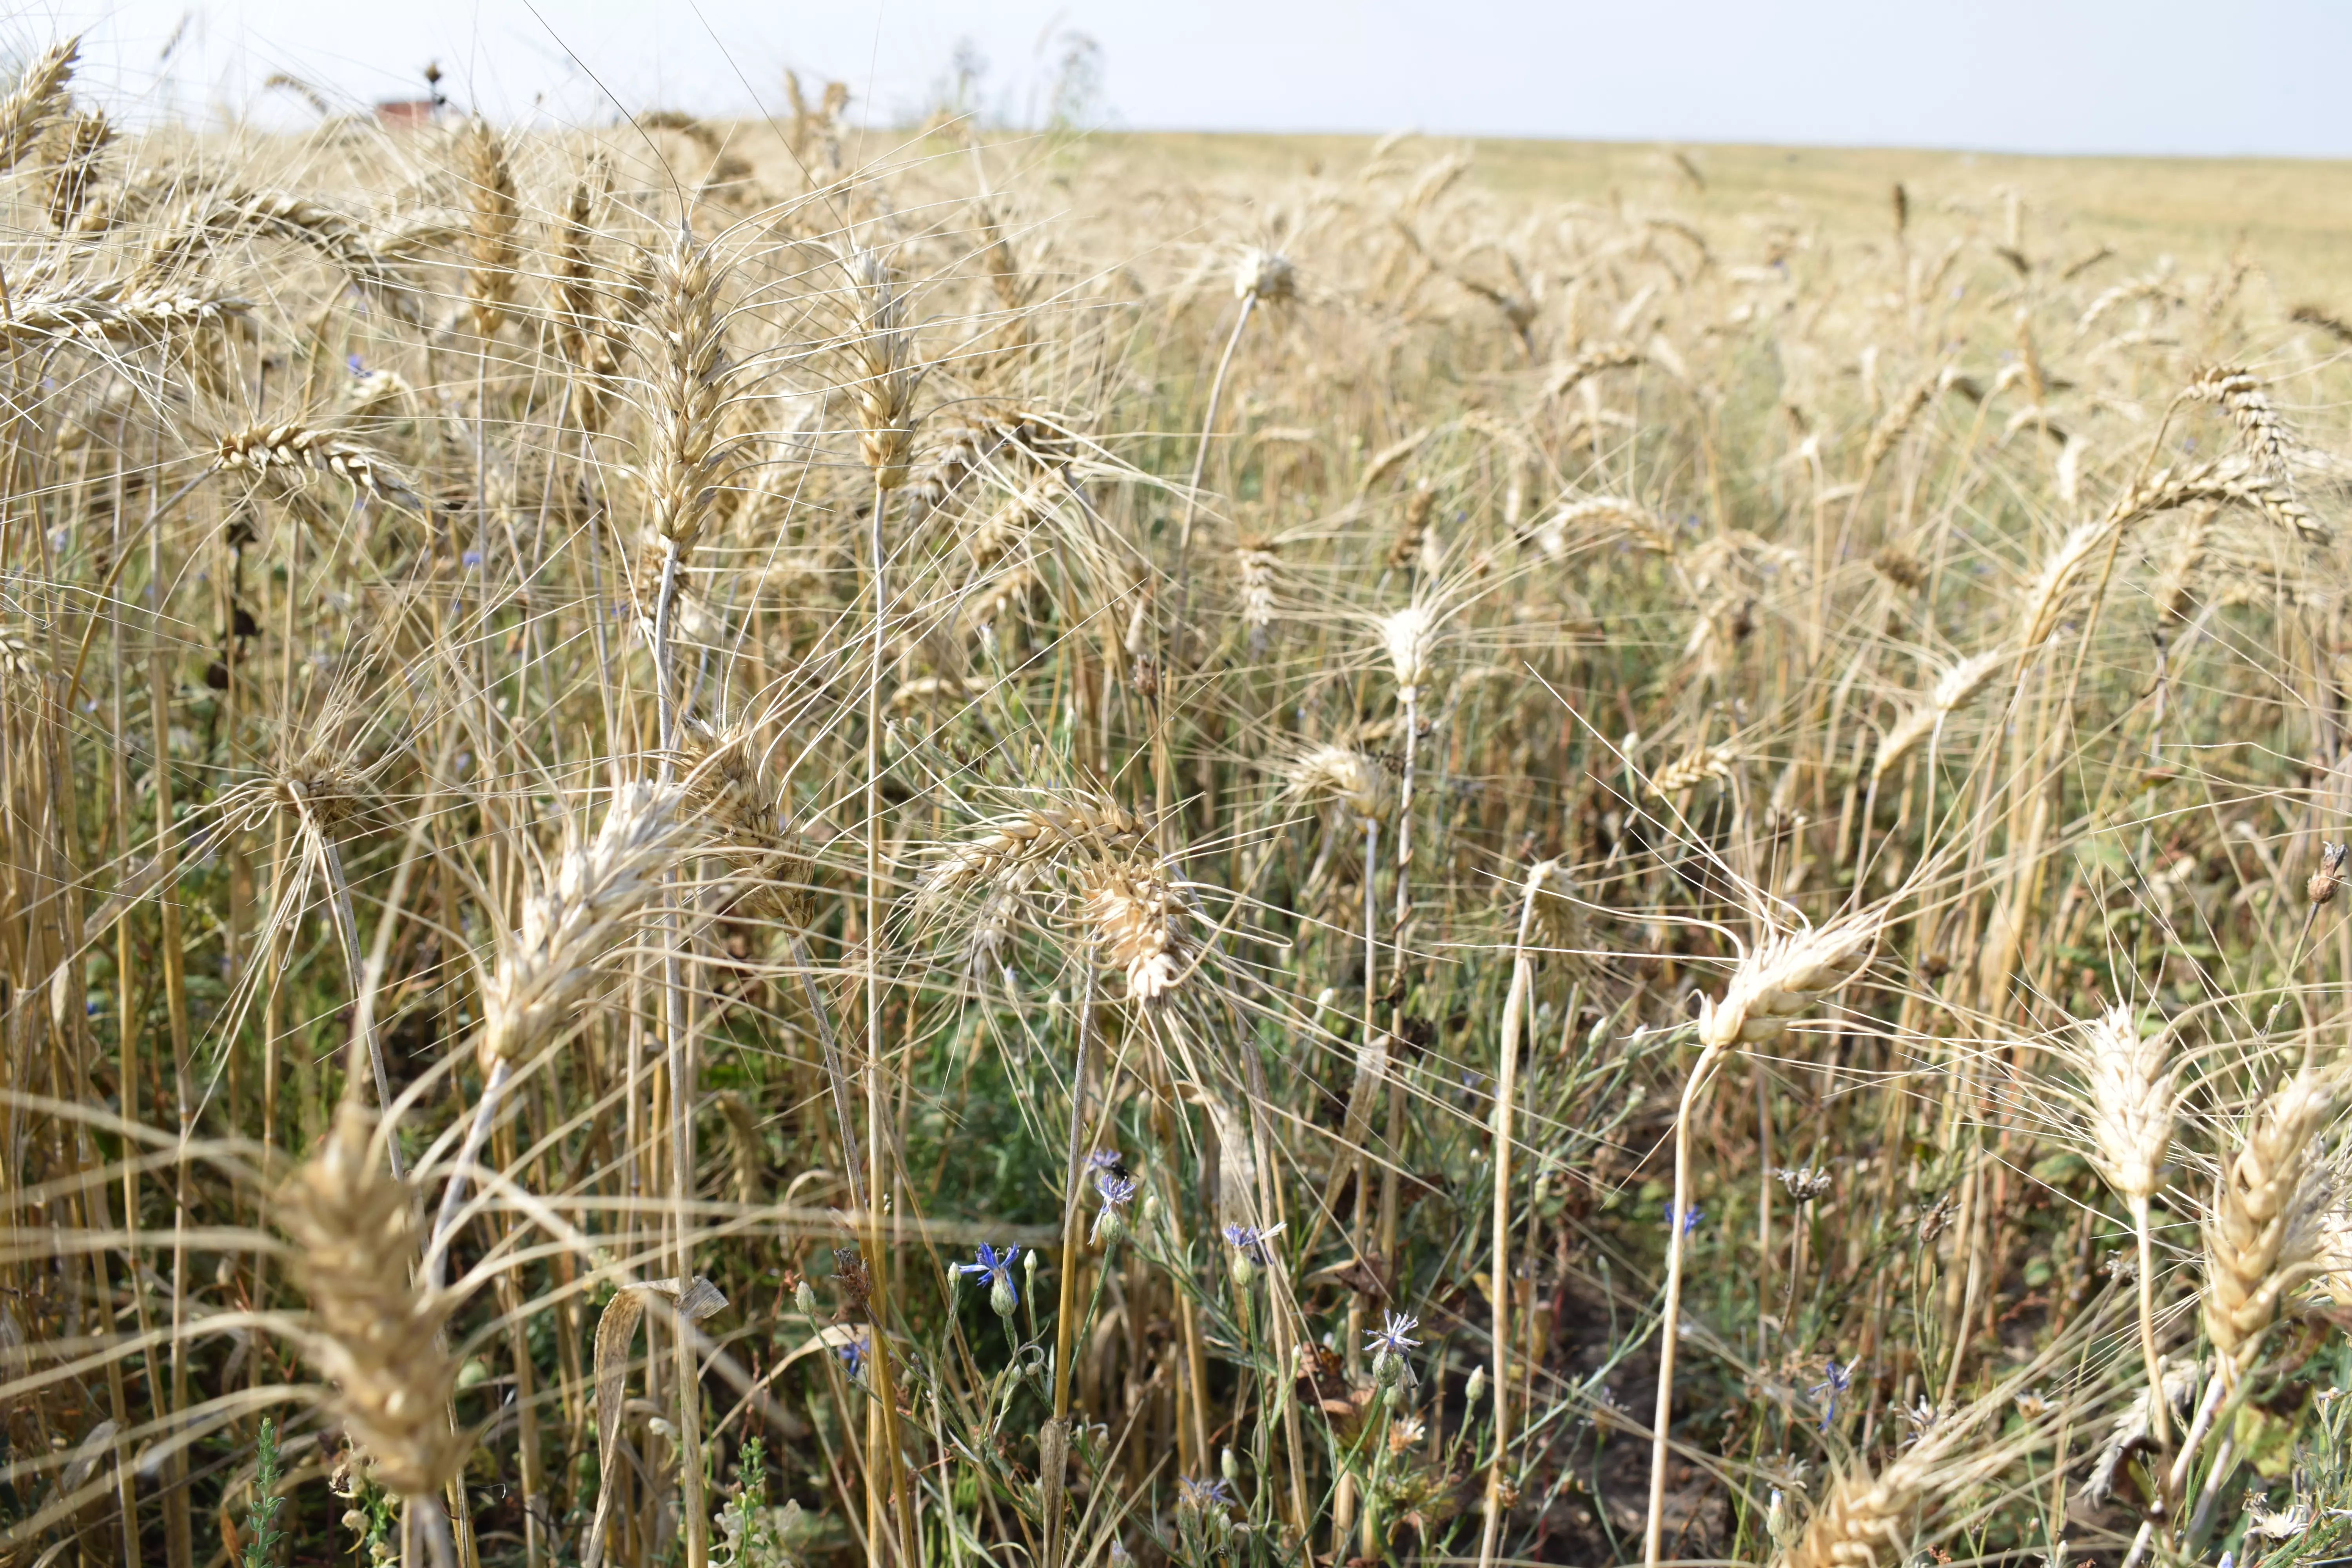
1110 1221
1691 1217
996 1268
1109 1160
1840 1379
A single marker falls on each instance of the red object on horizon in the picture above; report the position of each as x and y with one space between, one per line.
406 114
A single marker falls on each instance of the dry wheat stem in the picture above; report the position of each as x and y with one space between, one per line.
1515 1008
1785 976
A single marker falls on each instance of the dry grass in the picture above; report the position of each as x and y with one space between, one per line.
1147 702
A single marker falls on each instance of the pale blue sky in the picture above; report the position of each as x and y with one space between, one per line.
2160 76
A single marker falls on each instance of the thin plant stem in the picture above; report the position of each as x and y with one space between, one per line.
1671 1312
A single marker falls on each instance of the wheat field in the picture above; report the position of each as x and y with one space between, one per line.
783 844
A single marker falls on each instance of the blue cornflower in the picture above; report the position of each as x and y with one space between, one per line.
1118 1192
853 1357
996 1268
1389 1344
473 558
1390 1339
1109 1160
1211 1493
1841 1378
357 365
1249 1242
1691 1216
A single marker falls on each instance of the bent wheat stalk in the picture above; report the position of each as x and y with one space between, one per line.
1787 975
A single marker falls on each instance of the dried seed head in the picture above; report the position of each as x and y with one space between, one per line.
1557 917
73 166
1598 518
1594 359
2321 887
2056 579
1900 567
1784 978
2132 1100
1262 275
1896 422
114 313
378 1342
1006 527
1142 924
2262 1234
571 918
1864 1521
20 662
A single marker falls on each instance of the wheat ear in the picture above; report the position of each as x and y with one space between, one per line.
1016 847
73 168
292 448
2243 398
39 96
1342 777
1142 924
2263 1236
491 213
379 1326
1953 690
2132 1097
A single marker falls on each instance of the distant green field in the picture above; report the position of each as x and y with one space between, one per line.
2292 218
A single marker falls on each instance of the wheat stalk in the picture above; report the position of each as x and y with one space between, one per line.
1784 976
